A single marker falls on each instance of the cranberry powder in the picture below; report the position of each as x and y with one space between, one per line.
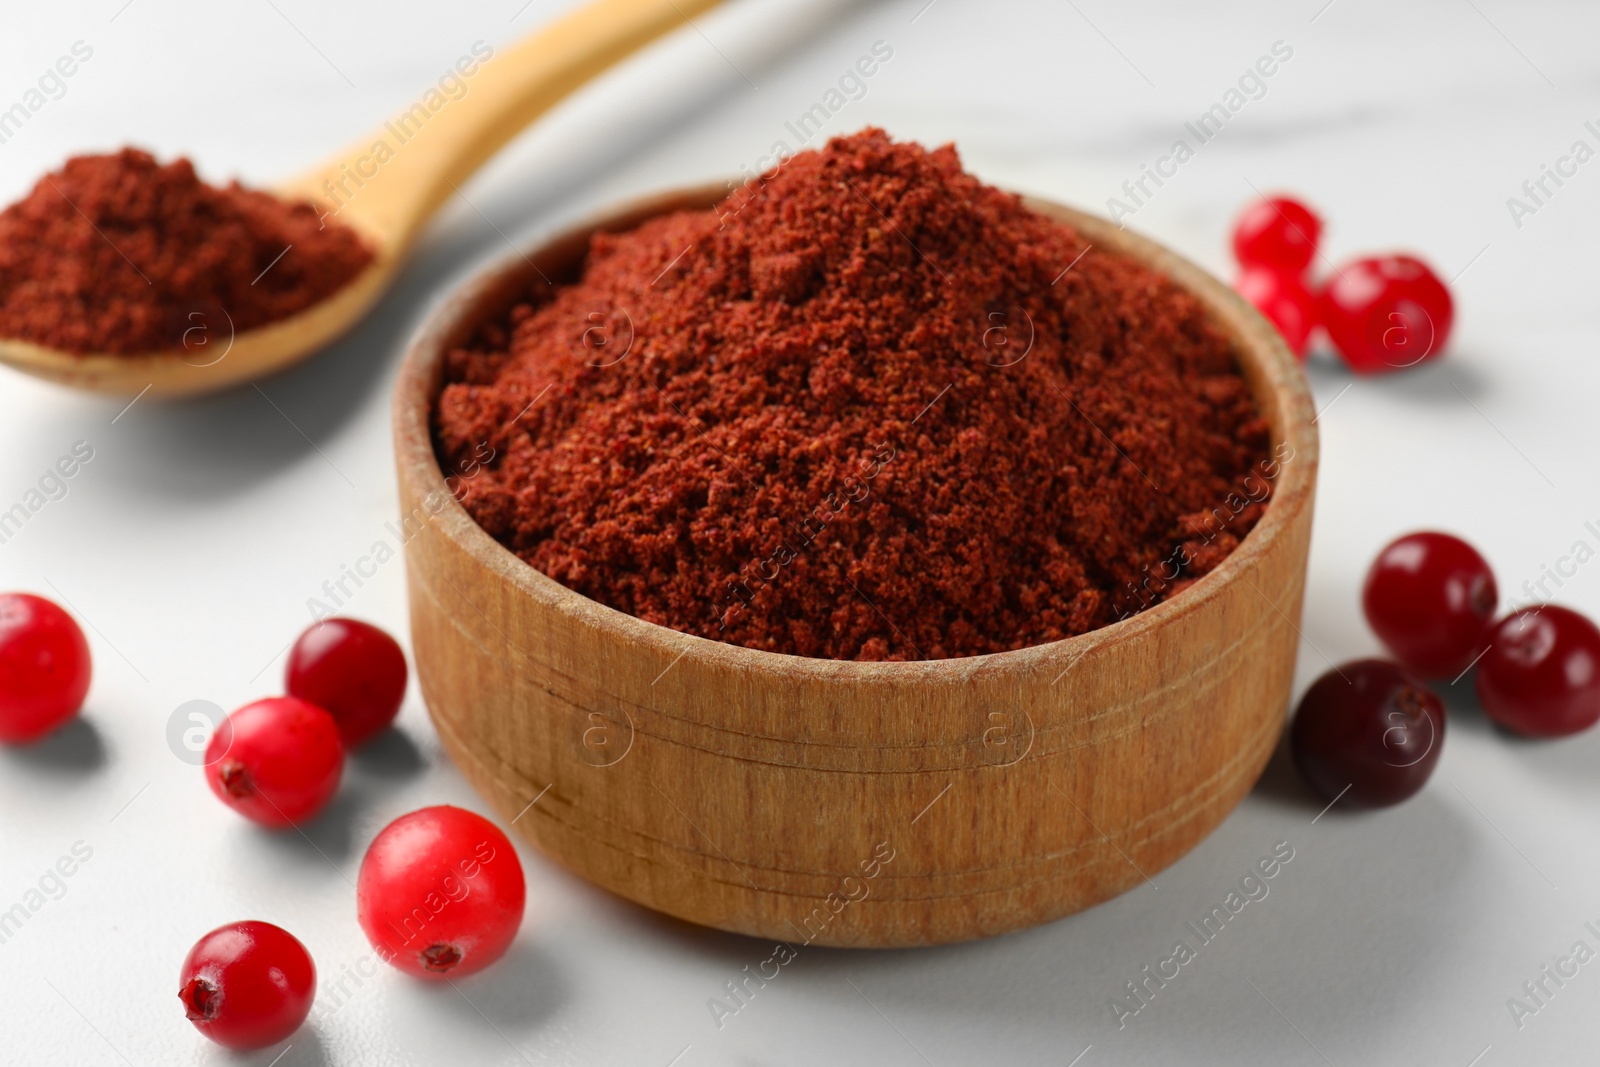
867 408
122 255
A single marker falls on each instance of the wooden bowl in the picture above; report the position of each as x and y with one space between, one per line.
842 803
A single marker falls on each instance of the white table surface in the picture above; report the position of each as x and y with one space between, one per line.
190 542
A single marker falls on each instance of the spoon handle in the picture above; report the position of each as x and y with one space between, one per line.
390 182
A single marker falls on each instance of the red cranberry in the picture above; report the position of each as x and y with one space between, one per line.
282 764
44 667
1541 675
354 670
1278 233
247 985
1385 313
1284 300
1370 727
440 893
1430 598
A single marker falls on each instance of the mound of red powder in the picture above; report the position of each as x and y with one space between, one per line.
113 253
862 410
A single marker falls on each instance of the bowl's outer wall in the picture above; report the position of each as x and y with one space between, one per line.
814 801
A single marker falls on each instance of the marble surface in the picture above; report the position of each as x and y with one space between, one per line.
192 540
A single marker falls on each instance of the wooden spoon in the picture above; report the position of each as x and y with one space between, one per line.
386 203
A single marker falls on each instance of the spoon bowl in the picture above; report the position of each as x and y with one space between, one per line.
387 203
213 356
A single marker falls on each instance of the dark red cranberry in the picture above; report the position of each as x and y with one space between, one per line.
1541 675
1369 732
354 671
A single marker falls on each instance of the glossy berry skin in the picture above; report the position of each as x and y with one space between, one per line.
282 765
1278 233
353 670
1386 313
247 985
1285 301
440 893
1430 598
44 667
1370 725
1541 675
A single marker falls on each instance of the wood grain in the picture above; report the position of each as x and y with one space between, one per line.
841 803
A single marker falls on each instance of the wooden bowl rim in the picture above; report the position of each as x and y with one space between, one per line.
1272 370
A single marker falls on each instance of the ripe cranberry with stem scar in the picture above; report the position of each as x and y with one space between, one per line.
1278 233
1386 313
353 670
247 985
1284 300
44 667
440 893
278 763
1368 732
1430 598
1541 675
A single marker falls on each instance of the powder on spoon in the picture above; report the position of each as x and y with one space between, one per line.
867 408
114 253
